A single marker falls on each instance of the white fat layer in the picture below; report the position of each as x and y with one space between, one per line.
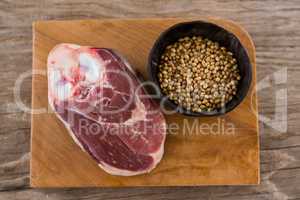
92 67
73 46
64 59
54 78
63 90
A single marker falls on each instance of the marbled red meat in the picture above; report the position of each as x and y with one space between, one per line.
98 97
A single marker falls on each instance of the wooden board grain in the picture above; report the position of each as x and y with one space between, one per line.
192 157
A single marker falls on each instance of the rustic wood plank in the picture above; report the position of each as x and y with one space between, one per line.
274 26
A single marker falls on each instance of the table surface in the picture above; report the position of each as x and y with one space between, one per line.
275 28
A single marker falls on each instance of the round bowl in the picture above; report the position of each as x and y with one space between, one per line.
216 34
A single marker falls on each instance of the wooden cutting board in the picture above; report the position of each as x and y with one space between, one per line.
203 151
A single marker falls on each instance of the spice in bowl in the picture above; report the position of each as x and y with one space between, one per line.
198 74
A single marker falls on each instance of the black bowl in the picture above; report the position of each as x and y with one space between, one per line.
216 34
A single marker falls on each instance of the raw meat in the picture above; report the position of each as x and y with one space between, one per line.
99 98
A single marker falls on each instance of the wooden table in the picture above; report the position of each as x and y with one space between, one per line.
275 28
